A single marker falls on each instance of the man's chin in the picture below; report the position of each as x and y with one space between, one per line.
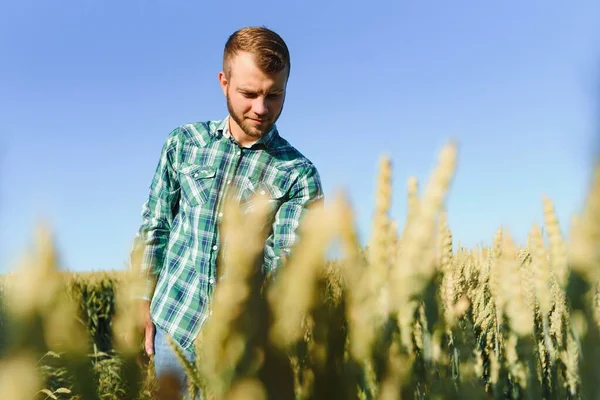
256 131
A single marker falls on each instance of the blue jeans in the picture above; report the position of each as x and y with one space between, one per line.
165 360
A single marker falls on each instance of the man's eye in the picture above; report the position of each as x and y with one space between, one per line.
254 95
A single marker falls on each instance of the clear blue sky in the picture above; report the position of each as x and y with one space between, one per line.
89 90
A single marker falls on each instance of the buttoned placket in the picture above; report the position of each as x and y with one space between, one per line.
234 154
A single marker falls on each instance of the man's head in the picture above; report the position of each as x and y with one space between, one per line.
256 67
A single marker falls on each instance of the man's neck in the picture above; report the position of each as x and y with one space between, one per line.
239 135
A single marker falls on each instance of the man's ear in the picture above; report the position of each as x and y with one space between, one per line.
223 82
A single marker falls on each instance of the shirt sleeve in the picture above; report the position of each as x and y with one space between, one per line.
158 212
306 192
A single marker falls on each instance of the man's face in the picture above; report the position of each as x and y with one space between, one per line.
254 99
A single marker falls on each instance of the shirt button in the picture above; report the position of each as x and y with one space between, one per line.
211 280
262 192
229 181
215 247
220 214
239 152
196 175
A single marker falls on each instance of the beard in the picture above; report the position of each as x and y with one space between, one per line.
253 131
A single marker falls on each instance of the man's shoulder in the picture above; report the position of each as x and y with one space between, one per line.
293 160
198 133
289 153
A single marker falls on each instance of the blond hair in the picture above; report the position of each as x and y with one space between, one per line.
270 51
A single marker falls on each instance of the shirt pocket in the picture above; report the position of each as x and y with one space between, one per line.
250 190
196 183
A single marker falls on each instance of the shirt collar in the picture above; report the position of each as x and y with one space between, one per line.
269 139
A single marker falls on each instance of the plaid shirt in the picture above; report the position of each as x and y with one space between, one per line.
179 233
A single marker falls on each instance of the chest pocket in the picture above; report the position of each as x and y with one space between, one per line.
250 190
196 182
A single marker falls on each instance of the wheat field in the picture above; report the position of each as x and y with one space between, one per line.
411 315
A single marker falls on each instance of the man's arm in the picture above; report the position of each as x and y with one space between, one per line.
158 212
306 192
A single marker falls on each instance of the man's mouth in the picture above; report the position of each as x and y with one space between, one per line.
258 121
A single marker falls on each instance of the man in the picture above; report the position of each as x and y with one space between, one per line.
199 164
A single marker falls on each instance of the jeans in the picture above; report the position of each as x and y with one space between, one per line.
165 360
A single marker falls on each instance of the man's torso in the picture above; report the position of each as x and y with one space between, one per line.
208 164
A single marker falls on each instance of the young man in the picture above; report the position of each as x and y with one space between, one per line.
199 164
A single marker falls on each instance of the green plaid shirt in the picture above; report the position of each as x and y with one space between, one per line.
179 233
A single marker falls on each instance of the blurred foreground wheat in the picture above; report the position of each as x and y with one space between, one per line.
413 315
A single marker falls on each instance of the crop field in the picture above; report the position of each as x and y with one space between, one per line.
410 316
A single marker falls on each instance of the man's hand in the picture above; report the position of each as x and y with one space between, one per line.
148 327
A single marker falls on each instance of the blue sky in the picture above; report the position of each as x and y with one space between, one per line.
89 90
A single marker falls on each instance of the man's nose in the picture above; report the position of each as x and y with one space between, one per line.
260 106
